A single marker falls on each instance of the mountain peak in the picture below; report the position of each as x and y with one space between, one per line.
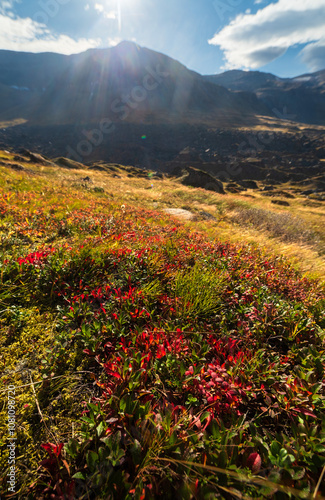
126 45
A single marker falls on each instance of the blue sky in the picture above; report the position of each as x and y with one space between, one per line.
284 37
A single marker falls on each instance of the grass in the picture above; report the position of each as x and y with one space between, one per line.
151 357
280 225
13 123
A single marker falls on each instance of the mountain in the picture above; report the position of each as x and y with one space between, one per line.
300 99
125 83
238 80
129 84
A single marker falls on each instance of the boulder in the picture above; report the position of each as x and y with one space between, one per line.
37 158
278 176
281 202
20 158
68 163
248 184
232 187
180 213
200 179
284 194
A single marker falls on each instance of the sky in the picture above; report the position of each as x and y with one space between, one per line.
283 37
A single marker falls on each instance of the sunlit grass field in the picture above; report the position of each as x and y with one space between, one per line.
154 357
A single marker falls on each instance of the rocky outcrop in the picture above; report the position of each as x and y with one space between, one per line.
248 184
68 163
281 203
200 179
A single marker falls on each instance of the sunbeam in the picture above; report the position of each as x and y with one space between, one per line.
119 15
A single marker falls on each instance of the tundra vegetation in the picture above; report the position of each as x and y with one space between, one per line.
151 357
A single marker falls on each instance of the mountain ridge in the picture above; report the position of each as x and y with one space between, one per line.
134 84
300 99
57 89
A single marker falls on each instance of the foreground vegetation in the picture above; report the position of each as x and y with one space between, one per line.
150 359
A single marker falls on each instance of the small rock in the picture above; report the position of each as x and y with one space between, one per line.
208 216
17 167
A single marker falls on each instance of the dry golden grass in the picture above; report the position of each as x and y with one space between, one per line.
13 123
229 210
280 125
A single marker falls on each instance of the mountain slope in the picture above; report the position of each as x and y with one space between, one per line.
249 81
299 99
135 84
126 82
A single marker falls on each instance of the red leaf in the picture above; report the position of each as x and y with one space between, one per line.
53 449
254 462
305 412
89 352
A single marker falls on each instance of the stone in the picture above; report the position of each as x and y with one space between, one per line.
248 184
281 202
200 179
180 213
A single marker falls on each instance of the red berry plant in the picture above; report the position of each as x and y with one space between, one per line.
200 364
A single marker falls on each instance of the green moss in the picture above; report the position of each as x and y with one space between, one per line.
26 338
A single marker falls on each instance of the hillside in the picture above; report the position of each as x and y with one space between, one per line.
133 84
299 99
125 83
135 106
155 357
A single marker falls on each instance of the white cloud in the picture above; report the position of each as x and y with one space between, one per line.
111 14
29 36
99 7
6 6
112 42
87 7
253 40
314 55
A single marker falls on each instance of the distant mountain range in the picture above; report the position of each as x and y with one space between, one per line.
300 99
137 85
